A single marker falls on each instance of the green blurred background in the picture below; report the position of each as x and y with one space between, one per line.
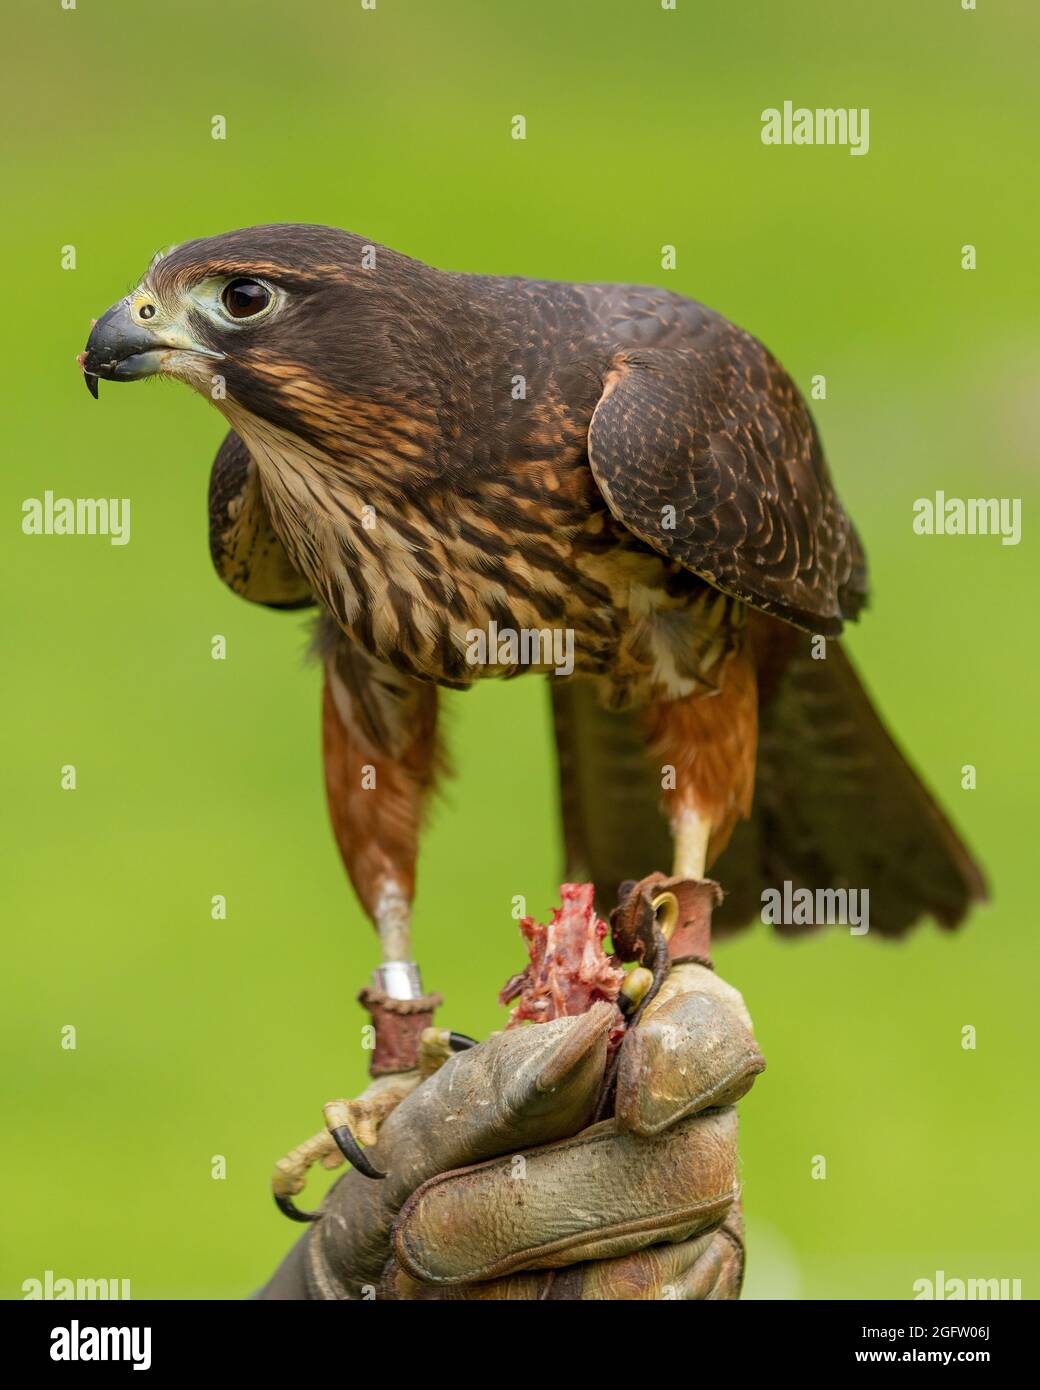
196 777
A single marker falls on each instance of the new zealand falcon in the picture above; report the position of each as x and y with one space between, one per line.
426 455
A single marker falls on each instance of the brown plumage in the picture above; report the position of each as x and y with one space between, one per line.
432 455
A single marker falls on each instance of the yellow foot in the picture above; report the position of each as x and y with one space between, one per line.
353 1123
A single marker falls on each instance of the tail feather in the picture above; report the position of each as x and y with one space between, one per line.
836 804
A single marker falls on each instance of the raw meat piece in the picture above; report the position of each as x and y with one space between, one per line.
569 970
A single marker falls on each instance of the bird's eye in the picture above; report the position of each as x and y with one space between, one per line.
243 299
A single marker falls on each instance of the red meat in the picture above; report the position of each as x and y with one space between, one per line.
569 970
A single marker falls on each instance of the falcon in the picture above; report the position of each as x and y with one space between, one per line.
427 455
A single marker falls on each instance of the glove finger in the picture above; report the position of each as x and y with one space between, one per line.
706 1268
523 1087
655 1273
658 1272
710 1266
600 1195
398 1284
693 1049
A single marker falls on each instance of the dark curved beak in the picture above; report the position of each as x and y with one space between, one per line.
119 349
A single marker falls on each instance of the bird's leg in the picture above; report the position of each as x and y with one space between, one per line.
691 833
706 746
380 754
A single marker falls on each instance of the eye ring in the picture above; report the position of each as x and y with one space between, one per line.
244 298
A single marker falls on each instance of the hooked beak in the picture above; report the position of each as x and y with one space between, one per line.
120 349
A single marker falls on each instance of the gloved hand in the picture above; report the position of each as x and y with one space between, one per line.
494 1171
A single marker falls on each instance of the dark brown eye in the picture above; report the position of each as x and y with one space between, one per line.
244 298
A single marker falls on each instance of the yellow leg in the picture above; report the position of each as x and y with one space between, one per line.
690 835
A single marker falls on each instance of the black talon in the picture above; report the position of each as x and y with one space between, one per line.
288 1208
459 1042
353 1152
661 966
627 1006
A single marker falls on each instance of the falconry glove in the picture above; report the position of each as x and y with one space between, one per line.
498 1187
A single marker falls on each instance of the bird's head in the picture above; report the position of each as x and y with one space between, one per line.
285 322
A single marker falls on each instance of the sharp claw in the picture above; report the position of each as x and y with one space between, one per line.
459 1042
353 1152
288 1208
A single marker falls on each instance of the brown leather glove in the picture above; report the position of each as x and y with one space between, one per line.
494 1172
